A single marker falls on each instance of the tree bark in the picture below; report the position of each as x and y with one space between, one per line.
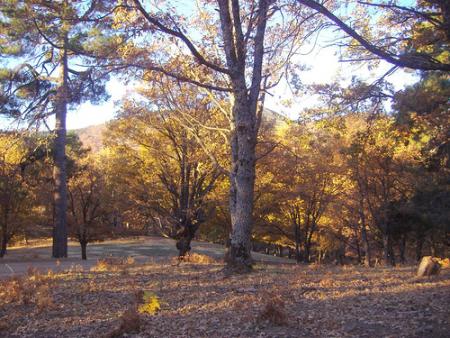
358 251
298 256
306 257
388 255
242 183
403 249
245 124
4 240
59 170
184 242
83 245
362 217
419 245
366 246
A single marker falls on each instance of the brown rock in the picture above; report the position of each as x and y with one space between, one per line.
428 266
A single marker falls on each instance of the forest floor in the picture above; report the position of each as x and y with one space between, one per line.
197 299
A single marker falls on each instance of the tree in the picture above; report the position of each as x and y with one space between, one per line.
239 67
46 40
405 36
422 114
87 204
12 187
19 202
173 148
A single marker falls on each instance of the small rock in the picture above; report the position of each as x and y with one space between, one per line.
428 266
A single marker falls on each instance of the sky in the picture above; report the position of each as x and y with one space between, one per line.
324 69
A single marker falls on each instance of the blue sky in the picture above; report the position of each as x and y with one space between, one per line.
325 68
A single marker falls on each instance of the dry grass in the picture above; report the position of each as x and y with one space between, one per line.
194 258
326 282
113 264
199 259
31 289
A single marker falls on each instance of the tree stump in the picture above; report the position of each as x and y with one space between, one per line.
428 266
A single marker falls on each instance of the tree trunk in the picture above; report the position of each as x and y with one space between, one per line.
184 242
242 182
402 249
388 255
419 245
364 237
306 257
59 170
4 240
358 247
83 245
366 246
391 252
298 256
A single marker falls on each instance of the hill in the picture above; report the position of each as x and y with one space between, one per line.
91 136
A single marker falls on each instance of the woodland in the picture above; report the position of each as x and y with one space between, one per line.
364 173
361 178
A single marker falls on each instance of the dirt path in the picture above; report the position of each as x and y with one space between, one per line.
19 260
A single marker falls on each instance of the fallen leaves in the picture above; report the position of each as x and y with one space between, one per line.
150 303
195 300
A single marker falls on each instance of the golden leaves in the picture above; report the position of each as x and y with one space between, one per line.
151 303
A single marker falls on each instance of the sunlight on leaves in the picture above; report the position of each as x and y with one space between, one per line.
151 303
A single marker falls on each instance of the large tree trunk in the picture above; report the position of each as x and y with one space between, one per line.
245 125
83 244
242 182
187 235
59 170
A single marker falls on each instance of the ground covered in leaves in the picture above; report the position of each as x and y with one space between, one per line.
157 298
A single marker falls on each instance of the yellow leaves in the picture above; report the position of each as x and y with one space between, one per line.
123 17
443 57
12 149
151 303
129 50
